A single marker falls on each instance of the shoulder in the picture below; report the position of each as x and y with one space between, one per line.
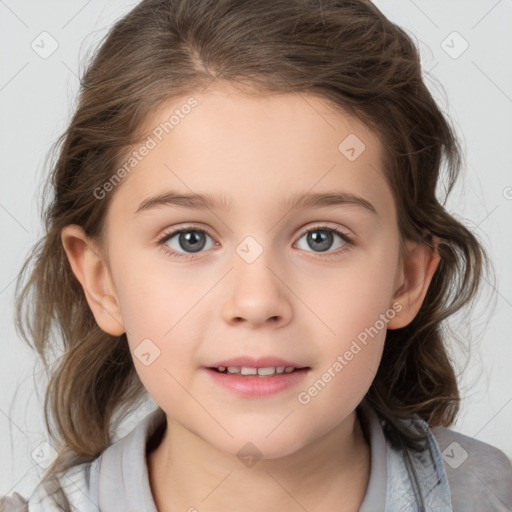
78 486
14 503
117 478
479 474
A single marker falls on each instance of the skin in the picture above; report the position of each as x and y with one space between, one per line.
293 301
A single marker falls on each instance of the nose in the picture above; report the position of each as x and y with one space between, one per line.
257 293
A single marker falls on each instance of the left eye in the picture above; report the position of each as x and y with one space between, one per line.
321 238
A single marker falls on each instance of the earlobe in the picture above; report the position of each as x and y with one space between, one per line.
91 270
417 271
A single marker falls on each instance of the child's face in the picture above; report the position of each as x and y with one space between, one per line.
258 287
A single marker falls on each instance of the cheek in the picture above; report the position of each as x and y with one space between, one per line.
352 297
338 388
155 297
155 309
349 363
355 309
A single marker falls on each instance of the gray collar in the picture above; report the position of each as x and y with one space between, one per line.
123 482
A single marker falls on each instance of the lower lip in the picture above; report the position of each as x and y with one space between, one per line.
253 385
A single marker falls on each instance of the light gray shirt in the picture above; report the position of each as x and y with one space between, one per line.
453 473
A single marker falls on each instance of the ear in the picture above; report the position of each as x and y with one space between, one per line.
91 270
414 277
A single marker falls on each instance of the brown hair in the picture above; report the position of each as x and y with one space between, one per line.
345 51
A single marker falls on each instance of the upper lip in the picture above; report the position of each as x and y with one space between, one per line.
256 362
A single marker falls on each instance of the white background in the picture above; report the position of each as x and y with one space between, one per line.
36 100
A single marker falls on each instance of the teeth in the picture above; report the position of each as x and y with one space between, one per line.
248 371
266 371
244 370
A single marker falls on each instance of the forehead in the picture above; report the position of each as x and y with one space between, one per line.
245 146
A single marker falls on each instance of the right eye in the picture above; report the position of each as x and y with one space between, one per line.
191 240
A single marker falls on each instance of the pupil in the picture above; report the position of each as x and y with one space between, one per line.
194 240
323 241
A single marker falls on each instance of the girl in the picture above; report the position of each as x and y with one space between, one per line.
244 225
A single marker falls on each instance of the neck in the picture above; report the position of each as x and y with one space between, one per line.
187 473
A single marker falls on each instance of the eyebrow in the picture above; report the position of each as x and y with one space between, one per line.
293 202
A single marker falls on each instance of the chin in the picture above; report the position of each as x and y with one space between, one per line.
252 448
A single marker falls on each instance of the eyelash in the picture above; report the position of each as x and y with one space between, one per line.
349 241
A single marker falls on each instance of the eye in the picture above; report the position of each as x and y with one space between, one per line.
188 239
321 238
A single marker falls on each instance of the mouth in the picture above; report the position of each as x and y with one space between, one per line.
257 377
262 372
